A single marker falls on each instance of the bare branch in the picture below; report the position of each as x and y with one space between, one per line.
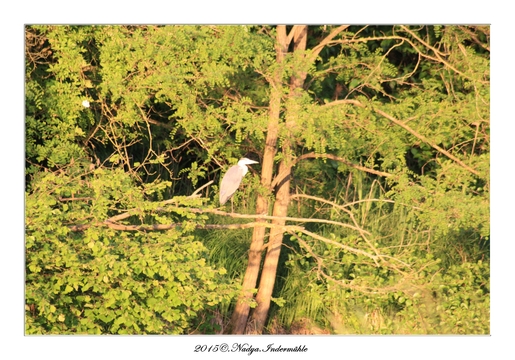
474 37
342 283
291 229
410 130
437 58
75 199
112 221
266 217
327 41
344 206
437 52
427 141
345 161
340 245
200 188
280 177
161 227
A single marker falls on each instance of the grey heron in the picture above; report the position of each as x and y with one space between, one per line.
232 179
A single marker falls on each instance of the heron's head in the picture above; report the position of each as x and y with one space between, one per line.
245 161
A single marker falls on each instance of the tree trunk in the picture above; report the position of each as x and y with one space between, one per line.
282 200
268 274
269 271
241 311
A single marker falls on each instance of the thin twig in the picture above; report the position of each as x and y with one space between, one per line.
280 177
411 131
344 206
200 188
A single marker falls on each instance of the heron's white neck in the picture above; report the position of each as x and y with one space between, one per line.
243 167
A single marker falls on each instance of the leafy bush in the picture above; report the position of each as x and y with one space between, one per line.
106 281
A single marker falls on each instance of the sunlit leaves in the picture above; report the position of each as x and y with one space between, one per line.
170 105
102 281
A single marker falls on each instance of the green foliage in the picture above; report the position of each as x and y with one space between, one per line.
171 105
151 89
104 281
362 299
443 290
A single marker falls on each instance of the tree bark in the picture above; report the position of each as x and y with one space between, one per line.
242 309
269 271
239 320
282 200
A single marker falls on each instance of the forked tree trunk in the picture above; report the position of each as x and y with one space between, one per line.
240 316
282 200
241 311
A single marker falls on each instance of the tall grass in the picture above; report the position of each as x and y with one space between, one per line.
433 303
420 308
228 249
